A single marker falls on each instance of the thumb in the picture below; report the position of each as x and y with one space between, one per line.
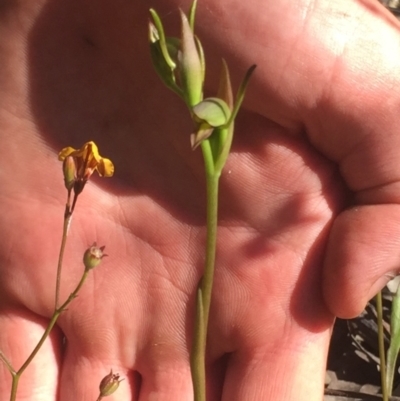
360 131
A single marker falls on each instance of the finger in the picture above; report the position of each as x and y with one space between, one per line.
279 373
19 335
83 372
165 372
362 255
161 361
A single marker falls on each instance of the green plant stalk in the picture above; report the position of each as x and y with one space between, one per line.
56 314
394 347
66 225
7 363
57 310
197 364
211 243
381 344
204 292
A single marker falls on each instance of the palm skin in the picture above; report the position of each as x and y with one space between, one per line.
308 203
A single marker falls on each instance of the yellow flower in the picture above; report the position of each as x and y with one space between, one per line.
87 160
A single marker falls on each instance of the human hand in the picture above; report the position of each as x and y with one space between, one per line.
308 213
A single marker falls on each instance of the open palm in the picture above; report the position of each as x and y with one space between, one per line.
290 255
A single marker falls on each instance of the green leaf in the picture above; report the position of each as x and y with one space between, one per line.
157 34
161 66
241 92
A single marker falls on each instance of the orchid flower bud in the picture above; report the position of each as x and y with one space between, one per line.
190 64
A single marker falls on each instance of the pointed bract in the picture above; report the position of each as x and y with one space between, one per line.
225 86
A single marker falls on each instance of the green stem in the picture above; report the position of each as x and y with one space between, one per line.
381 343
392 353
204 293
67 222
16 376
7 363
14 386
197 361
212 220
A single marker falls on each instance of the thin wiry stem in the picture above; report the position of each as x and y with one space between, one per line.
16 376
7 363
381 343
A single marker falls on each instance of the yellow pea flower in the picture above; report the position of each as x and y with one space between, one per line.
87 160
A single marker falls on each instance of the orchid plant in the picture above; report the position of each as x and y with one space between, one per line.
180 63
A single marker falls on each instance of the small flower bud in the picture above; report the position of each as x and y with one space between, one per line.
190 64
69 170
93 256
109 384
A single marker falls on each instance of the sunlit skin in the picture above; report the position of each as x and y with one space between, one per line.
309 203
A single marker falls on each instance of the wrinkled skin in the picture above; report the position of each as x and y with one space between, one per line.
309 205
